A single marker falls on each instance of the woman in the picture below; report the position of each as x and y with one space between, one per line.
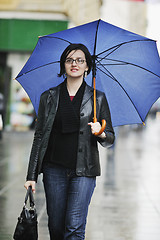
65 147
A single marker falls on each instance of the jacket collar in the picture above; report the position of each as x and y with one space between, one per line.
55 92
87 95
54 95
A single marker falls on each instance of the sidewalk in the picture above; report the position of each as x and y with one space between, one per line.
126 202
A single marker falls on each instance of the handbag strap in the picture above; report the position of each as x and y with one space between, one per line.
31 198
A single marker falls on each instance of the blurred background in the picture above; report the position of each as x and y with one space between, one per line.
126 203
22 21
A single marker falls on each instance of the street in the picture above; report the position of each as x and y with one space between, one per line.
126 202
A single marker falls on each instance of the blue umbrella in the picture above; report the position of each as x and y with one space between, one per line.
126 65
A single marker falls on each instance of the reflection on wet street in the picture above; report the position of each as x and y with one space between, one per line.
126 202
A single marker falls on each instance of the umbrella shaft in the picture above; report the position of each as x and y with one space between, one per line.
94 101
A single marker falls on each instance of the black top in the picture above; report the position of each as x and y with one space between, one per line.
63 141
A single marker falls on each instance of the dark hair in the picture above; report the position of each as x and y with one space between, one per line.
69 49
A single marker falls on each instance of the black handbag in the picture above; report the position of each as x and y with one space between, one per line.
27 226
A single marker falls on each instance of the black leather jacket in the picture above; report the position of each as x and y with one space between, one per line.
87 156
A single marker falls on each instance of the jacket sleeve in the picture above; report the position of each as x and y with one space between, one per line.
32 173
105 114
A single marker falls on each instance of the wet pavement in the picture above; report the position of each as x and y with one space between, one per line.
126 202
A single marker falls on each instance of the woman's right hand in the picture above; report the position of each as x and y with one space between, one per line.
32 184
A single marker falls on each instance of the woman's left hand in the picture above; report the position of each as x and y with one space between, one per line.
96 127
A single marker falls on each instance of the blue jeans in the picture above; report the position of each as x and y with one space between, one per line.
67 197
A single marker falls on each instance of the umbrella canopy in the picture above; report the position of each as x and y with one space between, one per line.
127 68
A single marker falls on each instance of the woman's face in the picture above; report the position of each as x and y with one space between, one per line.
75 64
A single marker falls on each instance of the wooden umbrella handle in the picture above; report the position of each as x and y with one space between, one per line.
94 118
102 128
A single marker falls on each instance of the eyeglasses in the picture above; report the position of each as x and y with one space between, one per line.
78 61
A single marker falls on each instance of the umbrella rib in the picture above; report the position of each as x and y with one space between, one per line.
94 52
110 76
109 73
119 45
123 90
37 68
95 42
114 49
59 39
112 64
128 63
